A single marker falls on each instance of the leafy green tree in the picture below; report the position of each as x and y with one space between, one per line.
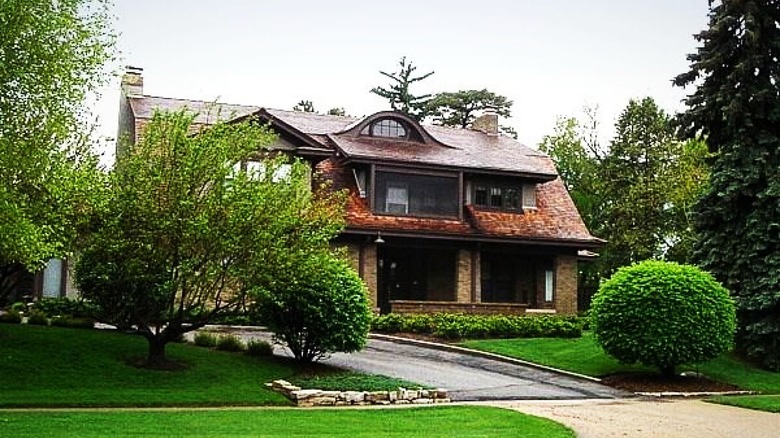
638 193
736 110
52 56
188 233
663 314
398 93
316 307
459 109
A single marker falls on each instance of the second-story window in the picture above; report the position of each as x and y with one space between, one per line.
411 194
497 196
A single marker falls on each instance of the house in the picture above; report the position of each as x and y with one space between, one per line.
438 218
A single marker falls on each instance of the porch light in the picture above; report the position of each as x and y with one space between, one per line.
379 238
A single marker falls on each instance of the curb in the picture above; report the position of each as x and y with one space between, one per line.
674 394
484 354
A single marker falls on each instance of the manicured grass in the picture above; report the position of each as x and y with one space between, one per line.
580 355
52 366
416 422
583 356
768 403
339 380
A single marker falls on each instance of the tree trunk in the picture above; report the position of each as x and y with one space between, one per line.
156 357
668 371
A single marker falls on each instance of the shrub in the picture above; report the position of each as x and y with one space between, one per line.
230 343
259 348
663 315
72 322
458 325
19 307
205 339
52 307
37 318
317 307
11 317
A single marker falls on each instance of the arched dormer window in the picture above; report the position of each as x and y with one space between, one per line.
390 128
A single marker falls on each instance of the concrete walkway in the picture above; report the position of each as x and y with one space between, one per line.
652 418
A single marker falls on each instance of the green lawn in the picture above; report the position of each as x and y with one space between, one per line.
583 356
414 422
52 366
769 403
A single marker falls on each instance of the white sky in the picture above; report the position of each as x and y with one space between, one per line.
550 57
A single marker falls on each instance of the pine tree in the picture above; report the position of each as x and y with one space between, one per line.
401 99
736 108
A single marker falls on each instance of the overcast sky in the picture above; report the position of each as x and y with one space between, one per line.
550 57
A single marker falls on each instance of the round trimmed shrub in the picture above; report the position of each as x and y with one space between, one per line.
663 314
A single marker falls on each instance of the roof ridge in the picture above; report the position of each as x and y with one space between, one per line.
217 102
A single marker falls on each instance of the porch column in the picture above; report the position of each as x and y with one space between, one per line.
368 271
566 285
362 258
464 276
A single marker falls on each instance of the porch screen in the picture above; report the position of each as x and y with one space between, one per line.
416 195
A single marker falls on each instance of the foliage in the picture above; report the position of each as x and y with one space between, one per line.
19 307
736 110
663 314
53 56
11 317
66 306
339 380
458 325
460 109
398 93
187 232
258 347
305 106
638 193
205 339
230 343
471 421
37 317
73 322
315 307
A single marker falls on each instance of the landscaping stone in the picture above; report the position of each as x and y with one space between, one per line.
317 397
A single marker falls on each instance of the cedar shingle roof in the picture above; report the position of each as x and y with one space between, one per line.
555 220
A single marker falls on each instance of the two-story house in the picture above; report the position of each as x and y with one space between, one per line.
438 218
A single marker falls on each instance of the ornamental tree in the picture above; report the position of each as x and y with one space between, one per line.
663 314
188 231
735 108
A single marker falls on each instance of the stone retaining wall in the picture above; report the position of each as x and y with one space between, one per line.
317 397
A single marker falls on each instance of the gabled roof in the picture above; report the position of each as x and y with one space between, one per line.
207 112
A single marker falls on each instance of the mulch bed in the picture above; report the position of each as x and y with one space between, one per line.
647 382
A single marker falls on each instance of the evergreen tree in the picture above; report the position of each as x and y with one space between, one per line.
401 99
459 109
736 108
304 106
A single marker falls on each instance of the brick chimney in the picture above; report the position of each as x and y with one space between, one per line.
487 122
133 82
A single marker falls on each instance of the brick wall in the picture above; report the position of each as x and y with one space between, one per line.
566 285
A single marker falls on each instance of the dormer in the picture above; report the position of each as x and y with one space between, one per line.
390 126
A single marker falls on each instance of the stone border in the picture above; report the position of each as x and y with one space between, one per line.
318 397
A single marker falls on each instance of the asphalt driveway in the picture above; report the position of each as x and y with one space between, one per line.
468 378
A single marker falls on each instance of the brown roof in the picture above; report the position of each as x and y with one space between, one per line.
207 112
555 219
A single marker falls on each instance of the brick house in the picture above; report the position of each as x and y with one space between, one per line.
438 219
